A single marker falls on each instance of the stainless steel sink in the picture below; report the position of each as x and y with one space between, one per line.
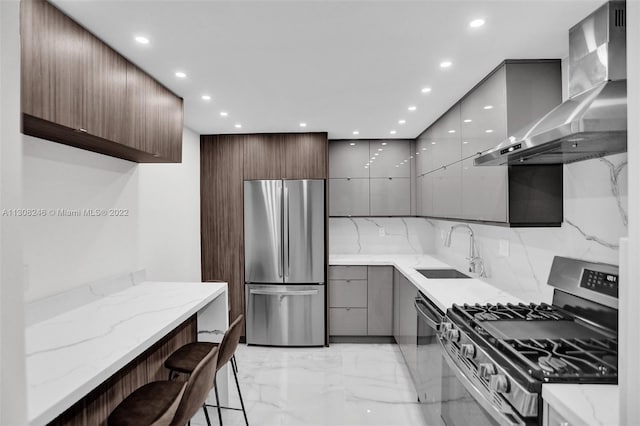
442 273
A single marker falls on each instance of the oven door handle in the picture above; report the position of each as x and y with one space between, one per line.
499 416
427 318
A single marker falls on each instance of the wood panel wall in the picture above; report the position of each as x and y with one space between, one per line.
94 409
221 216
225 162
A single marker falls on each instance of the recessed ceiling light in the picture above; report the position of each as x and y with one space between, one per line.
397 165
412 108
402 121
366 167
303 124
392 132
206 97
352 143
424 149
411 156
379 149
468 120
487 107
488 131
356 132
445 64
476 23
181 74
223 113
465 142
452 131
432 143
238 126
142 39
426 89
376 154
384 143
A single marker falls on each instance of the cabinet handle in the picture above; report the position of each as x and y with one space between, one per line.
390 178
82 130
348 178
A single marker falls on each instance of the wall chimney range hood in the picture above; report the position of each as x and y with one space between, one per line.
593 121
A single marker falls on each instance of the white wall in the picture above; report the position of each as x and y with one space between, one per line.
169 216
629 373
12 369
159 231
63 252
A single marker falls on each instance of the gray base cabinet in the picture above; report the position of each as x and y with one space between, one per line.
360 301
407 329
380 301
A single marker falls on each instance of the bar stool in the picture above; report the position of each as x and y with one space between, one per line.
185 358
168 403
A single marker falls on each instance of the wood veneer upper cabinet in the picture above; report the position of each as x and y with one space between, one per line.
53 54
104 86
285 156
153 120
78 91
221 204
263 156
306 156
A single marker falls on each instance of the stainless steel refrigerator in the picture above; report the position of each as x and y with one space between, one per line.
284 243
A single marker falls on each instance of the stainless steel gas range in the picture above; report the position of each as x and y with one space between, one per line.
498 356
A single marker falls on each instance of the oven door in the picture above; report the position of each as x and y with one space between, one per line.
429 365
463 404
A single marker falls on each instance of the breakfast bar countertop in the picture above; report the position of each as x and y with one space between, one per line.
70 354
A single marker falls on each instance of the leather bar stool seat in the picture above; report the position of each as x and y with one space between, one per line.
185 359
168 403
153 404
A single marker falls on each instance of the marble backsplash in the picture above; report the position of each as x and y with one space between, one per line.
595 218
380 235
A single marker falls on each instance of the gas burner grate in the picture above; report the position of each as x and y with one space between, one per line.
582 360
521 311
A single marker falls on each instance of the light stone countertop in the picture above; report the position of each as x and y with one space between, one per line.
443 292
584 405
591 405
71 354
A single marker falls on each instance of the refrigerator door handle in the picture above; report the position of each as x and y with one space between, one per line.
279 248
285 231
285 293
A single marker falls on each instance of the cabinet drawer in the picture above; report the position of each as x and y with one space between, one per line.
348 321
348 273
348 293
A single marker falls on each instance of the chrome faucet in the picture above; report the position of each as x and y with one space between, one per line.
476 265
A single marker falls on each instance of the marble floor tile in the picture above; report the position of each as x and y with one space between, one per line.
345 384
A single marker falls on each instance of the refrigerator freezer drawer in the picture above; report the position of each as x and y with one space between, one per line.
279 315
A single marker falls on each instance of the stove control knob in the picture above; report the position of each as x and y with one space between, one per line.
486 370
499 383
453 335
468 350
445 326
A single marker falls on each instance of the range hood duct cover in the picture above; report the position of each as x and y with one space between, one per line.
593 121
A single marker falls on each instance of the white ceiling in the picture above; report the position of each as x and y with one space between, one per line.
336 65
